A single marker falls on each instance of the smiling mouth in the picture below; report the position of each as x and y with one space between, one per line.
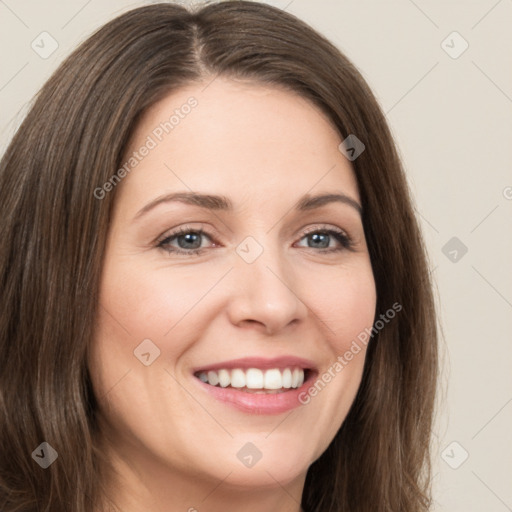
255 380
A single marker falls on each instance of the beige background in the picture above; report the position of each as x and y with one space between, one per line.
452 121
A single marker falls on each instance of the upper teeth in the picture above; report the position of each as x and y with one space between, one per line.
254 378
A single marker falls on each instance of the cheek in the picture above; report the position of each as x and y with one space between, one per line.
140 303
136 305
171 307
346 304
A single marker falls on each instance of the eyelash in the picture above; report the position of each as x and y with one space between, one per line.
345 241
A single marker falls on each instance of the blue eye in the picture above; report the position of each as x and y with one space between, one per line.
189 241
323 237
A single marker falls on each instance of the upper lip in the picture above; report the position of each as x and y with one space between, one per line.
260 362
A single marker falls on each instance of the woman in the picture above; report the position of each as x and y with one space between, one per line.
287 359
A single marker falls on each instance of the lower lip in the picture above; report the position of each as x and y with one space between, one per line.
258 403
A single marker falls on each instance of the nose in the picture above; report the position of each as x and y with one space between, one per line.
266 293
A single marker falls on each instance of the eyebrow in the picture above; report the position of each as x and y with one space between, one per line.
223 203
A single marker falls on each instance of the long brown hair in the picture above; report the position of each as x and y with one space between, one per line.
53 232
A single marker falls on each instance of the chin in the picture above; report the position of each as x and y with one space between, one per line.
263 460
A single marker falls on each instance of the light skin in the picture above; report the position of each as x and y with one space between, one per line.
174 446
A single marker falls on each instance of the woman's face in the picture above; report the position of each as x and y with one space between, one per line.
279 291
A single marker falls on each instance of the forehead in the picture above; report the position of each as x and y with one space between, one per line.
240 139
